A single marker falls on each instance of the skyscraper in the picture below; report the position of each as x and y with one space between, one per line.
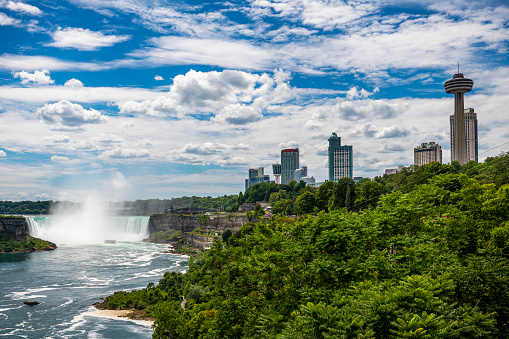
289 163
340 159
458 86
470 134
426 153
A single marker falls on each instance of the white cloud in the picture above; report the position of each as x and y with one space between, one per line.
233 96
2 153
7 20
38 77
65 113
356 110
10 62
59 159
392 132
84 39
353 93
22 7
158 78
58 138
74 83
172 50
238 114
159 107
124 153
22 195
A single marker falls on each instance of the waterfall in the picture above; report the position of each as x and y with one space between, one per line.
81 229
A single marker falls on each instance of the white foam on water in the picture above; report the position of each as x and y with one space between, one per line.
28 293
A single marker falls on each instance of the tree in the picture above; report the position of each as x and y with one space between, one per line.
324 194
305 203
367 194
343 191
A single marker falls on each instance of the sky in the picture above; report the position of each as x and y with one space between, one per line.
140 99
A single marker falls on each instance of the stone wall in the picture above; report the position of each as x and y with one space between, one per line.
17 225
187 223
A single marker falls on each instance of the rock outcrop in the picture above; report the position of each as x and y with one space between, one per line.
14 225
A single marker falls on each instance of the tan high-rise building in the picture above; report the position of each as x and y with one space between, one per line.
426 153
470 119
458 86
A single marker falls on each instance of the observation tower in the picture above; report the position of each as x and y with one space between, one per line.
458 86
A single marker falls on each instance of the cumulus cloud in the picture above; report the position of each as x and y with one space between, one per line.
211 152
234 97
74 83
159 107
38 77
353 93
68 114
370 131
6 20
124 153
207 148
238 114
59 159
58 138
84 39
158 78
392 132
22 7
356 110
2 153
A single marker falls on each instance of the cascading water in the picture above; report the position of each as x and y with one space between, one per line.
72 230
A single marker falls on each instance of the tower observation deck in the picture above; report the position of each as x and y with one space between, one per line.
458 86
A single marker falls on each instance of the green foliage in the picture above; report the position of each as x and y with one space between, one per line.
165 236
9 243
226 235
24 207
305 203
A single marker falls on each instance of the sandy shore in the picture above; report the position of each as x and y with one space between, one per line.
117 314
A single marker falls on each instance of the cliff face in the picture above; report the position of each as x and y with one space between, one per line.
18 226
187 223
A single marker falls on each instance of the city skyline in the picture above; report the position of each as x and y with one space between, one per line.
128 100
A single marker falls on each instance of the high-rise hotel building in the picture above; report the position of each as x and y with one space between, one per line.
470 120
460 151
340 159
289 163
426 153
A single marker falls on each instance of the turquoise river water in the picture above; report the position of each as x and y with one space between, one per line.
83 269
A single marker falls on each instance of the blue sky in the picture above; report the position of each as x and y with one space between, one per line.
157 99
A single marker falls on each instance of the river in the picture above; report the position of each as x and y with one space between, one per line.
83 269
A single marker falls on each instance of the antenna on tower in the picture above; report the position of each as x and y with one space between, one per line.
458 68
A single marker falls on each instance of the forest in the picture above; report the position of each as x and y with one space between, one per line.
426 258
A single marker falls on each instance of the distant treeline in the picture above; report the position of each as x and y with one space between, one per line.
25 207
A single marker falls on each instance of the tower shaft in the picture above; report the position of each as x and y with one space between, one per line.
460 141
